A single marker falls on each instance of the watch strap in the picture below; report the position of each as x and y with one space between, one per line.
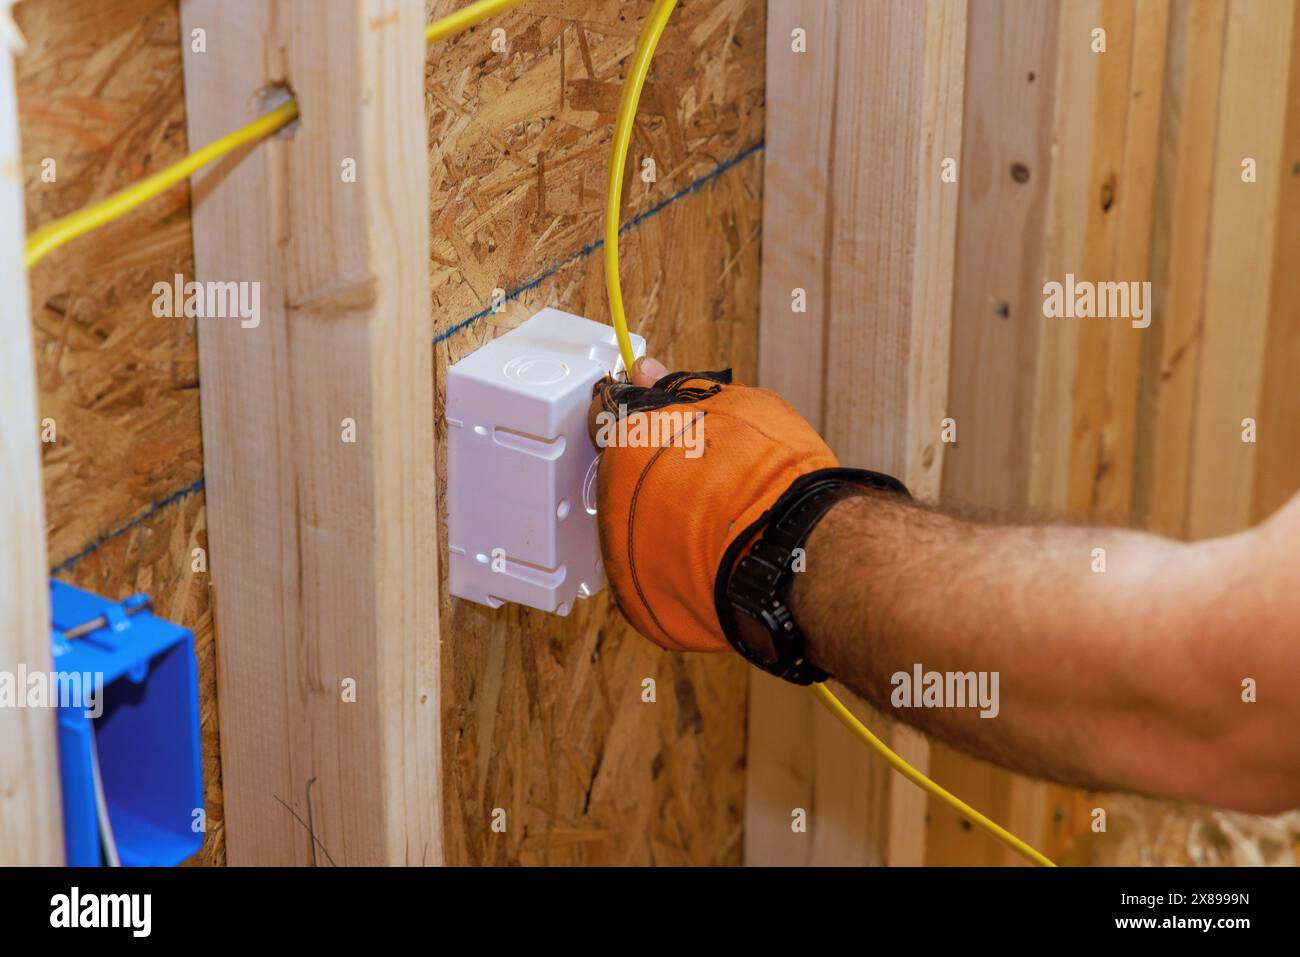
753 579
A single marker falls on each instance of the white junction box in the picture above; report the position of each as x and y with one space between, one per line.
521 469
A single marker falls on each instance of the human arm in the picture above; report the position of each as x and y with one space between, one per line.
1128 678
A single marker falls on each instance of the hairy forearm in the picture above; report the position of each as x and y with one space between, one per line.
1124 678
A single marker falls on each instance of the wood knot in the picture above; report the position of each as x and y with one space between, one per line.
344 296
1108 189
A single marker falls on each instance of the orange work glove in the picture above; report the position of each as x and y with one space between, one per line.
688 464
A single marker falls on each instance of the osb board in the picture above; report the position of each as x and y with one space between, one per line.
519 142
100 94
543 716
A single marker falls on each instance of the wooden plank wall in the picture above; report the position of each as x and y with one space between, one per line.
1125 165
545 719
1116 165
857 216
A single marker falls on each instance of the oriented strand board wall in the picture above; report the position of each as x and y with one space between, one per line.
100 95
543 716
1126 165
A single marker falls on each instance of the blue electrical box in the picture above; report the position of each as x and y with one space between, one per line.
145 730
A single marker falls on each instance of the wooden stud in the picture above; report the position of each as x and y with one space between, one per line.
1117 249
1277 466
796 194
1257 51
322 549
1069 196
1106 239
31 830
878 255
1184 178
1006 166
997 319
1062 251
1049 407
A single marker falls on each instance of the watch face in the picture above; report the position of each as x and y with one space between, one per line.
755 636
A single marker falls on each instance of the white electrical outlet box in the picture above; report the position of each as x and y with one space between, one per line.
521 469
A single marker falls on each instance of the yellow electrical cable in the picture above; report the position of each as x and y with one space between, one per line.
636 74
847 718
645 49
67 228
466 17
41 242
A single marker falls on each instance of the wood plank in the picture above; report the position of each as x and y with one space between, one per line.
796 194
997 320
799 139
997 311
1077 379
1069 201
1239 265
1118 250
889 235
1090 388
322 551
929 330
1189 125
1117 226
1277 466
1215 255
31 831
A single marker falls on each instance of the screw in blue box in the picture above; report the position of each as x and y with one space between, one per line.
146 736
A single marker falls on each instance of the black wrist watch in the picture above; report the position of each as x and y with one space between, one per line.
751 596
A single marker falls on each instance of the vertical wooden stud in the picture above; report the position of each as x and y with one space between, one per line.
869 227
1257 51
30 819
318 430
